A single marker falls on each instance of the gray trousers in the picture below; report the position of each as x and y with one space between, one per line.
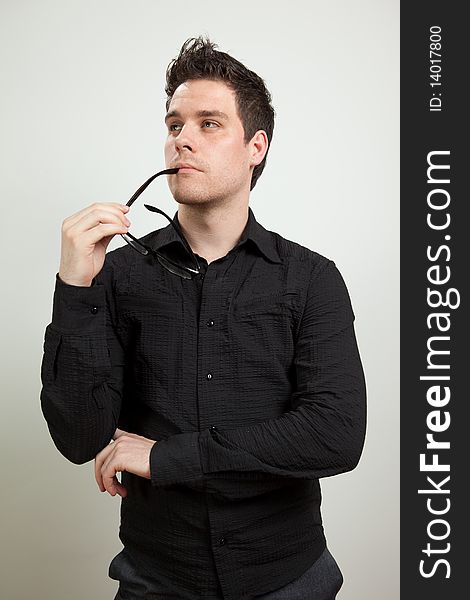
322 581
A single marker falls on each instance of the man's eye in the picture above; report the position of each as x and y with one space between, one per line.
210 124
174 127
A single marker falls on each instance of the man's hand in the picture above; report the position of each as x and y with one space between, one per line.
128 452
85 237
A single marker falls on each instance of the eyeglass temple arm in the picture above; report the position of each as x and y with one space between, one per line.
134 197
177 229
148 182
172 262
147 250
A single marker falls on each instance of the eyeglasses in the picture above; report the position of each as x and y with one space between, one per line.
188 270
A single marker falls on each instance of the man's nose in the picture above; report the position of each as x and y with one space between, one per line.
185 139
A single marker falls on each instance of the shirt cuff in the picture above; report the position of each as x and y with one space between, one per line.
78 309
176 459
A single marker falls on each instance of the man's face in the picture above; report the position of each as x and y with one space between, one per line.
206 133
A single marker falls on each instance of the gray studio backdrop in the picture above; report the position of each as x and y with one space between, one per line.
82 106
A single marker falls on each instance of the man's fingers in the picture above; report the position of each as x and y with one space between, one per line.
128 452
95 235
110 481
98 479
97 216
99 460
120 489
112 207
118 433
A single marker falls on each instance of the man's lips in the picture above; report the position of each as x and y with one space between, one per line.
186 168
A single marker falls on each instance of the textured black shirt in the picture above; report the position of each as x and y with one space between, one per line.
250 380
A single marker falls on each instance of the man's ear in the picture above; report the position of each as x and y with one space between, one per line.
258 147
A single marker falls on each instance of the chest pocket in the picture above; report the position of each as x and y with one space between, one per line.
277 303
263 330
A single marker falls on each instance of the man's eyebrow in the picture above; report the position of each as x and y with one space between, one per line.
212 113
200 113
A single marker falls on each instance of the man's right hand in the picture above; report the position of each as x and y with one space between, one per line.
85 237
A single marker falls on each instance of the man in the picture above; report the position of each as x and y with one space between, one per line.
221 398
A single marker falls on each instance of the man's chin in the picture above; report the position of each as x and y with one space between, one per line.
190 199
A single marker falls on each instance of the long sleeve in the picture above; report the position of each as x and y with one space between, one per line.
322 435
82 369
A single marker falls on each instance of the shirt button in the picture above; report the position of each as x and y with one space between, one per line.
222 541
202 275
94 310
209 375
212 428
210 323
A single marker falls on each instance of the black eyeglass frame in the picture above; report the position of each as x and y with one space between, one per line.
184 271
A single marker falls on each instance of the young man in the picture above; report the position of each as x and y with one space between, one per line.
221 398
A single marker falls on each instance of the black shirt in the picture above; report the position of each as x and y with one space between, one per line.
249 379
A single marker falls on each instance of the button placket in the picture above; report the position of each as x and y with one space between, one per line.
208 332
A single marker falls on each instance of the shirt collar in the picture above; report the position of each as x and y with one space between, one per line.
254 231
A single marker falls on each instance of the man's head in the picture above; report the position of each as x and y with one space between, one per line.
202 80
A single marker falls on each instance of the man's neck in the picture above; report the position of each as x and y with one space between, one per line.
212 231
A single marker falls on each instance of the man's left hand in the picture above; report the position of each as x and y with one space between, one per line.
128 452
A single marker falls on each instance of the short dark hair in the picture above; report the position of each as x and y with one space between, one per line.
199 59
